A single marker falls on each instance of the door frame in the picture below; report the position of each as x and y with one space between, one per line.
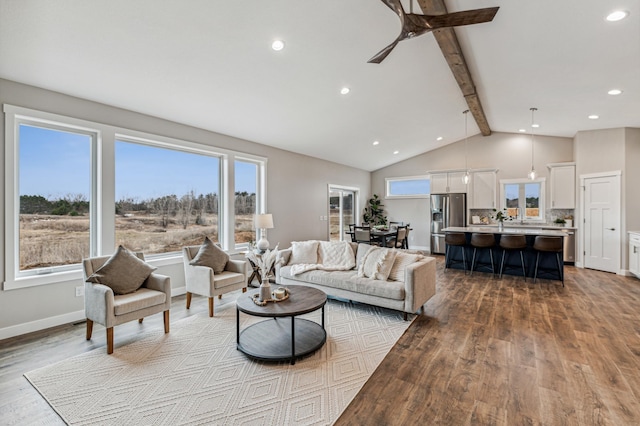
581 235
356 205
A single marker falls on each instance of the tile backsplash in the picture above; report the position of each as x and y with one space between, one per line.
550 215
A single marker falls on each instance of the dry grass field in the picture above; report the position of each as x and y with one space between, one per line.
48 240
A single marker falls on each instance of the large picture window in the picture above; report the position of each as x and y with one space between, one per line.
246 202
55 196
76 189
165 198
523 198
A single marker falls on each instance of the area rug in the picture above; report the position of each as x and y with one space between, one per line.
195 375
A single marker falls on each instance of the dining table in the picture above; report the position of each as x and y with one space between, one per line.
381 236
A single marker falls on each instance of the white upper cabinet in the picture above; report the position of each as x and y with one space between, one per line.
442 183
562 185
483 190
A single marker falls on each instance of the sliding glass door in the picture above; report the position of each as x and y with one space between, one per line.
342 211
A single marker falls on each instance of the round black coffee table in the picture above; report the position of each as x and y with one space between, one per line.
282 337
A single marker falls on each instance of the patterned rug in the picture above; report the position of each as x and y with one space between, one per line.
195 375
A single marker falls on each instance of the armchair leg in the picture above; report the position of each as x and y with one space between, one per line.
211 306
166 321
89 328
219 296
188 300
244 289
109 340
140 320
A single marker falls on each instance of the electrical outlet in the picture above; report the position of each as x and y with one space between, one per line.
80 291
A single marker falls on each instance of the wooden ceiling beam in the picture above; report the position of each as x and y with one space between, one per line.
448 42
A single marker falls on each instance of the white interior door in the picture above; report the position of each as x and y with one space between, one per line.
601 227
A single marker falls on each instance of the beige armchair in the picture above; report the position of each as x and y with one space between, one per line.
203 281
105 307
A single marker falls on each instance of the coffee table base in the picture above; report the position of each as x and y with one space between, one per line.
271 340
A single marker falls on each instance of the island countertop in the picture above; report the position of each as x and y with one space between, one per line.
506 230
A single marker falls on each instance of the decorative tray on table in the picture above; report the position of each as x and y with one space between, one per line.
274 296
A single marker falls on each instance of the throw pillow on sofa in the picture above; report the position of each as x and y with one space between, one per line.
336 253
377 263
305 252
400 264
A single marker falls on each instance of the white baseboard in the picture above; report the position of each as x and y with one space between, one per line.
41 324
44 323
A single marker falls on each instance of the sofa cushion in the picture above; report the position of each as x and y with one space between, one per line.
349 281
305 252
210 255
377 263
123 272
400 264
336 253
363 248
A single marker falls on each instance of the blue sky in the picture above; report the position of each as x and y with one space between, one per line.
55 163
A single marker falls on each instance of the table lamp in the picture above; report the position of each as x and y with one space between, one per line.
263 222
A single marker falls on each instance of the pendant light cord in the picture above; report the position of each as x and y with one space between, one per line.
532 173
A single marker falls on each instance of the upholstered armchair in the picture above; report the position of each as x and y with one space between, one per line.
108 308
203 280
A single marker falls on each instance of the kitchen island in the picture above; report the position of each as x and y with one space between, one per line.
512 263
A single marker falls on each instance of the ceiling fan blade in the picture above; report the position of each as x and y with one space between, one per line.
379 57
455 19
395 5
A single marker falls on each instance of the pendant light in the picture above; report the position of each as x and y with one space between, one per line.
466 177
532 173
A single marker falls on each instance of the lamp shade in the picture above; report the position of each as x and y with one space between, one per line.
264 221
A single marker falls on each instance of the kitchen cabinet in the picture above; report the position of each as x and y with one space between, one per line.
634 253
562 184
446 182
483 189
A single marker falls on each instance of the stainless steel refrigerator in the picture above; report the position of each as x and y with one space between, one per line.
446 210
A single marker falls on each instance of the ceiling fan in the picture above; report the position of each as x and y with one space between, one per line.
414 25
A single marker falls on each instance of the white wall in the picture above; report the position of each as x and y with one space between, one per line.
296 190
507 152
608 150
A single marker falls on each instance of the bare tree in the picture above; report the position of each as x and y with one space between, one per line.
185 209
164 207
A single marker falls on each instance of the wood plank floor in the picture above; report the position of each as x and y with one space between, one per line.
486 352
506 352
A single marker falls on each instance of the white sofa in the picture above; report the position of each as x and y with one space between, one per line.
416 282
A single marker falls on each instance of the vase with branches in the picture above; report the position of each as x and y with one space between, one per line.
265 261
500 216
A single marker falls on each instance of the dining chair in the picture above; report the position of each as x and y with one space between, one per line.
406 237
397 241
362 234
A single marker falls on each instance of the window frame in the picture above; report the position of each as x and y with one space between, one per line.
261 191
102 219
524 181
389 180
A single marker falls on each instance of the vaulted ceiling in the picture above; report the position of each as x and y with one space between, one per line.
210 64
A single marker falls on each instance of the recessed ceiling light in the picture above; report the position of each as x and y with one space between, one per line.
376 143
345 90
439 138
614 92
594 117
277 45
522 130
617 15
535 125
396 152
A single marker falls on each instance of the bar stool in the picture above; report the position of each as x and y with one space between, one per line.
451 240
482 241
509 244
548 245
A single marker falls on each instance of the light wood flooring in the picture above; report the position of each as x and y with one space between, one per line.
486 352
